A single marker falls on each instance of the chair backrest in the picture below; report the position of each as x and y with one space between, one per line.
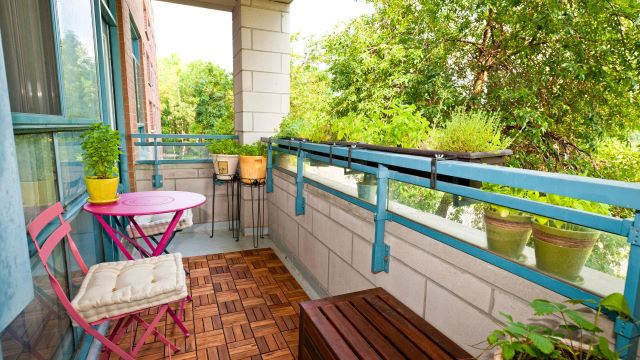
47 218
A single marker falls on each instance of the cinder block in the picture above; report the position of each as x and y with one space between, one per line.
288 233
260 18
243 121
402 282
271 82
270 41
458 320
360 227
201 186
317 203
343 278
260 102
315 257
285 105
242 81
266 121
512 305
286 64
451 277
336 237
260 61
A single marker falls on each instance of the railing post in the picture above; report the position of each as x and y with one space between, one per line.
628 332
300 183
156 178
269 167
381 251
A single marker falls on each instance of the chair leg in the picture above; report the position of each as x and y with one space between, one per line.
178 322
151 328
157 334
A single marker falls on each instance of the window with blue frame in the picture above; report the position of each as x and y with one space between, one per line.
138 77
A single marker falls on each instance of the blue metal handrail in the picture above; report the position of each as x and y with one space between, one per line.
157 142
609 192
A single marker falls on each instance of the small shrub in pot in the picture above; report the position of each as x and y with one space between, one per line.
224 154
100 154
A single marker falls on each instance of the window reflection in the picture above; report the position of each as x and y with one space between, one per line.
37 173
71 168
78 57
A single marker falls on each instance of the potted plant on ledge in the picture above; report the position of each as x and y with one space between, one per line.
562 248
508 230
253 163
224 154
574 338
100 152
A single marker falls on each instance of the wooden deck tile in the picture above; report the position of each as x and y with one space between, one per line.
245 306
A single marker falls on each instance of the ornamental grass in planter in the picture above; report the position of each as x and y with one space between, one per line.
508 230
253 163
563 248
100 153
574 338
224 154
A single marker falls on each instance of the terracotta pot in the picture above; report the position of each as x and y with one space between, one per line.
563 252
253 169
225 165
102 191
507 235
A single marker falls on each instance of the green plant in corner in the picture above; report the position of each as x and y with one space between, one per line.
584 205
575 338
100 151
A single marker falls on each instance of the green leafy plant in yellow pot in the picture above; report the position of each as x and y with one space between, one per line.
508 230
100 152
562 248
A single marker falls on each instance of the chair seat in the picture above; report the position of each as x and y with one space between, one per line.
116 288
158 223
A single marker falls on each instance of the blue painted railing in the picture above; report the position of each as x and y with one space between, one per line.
609 192
157 141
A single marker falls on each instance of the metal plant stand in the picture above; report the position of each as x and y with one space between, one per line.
233 204
257 187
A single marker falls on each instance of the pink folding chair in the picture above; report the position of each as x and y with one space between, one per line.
117 291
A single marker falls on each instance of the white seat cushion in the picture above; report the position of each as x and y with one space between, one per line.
158 223
115 288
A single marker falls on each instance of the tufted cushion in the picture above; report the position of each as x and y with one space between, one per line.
115 288
157 224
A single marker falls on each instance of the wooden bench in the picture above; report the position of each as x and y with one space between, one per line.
369 324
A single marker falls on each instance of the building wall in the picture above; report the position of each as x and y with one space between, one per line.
141 13
460 295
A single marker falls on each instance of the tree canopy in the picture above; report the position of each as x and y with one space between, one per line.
195 98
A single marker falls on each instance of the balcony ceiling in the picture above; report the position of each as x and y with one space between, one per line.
224 5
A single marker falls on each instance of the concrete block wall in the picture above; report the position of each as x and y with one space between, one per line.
457 293
260 67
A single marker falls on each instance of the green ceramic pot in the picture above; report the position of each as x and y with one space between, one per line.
507 235
563 252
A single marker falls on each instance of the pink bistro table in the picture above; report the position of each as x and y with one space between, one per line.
135 204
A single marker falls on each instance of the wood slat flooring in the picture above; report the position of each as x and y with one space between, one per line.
245 306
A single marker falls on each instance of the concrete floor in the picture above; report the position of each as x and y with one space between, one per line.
195 241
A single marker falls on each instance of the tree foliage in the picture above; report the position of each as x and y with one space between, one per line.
195 98
562 76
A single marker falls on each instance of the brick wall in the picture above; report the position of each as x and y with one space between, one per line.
127 11
459 294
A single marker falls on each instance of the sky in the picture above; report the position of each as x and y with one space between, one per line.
203 34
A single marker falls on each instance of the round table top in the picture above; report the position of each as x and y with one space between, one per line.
148 203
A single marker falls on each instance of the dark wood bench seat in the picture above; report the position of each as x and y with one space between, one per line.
369 324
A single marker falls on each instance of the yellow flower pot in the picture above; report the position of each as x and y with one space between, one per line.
253 168
102 190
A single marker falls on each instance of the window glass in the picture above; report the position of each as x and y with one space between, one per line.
36 165
43 329
78 57
69 155
82 232
30 59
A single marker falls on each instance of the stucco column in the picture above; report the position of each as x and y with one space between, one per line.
260 67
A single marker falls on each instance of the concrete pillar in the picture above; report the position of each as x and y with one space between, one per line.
260 67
